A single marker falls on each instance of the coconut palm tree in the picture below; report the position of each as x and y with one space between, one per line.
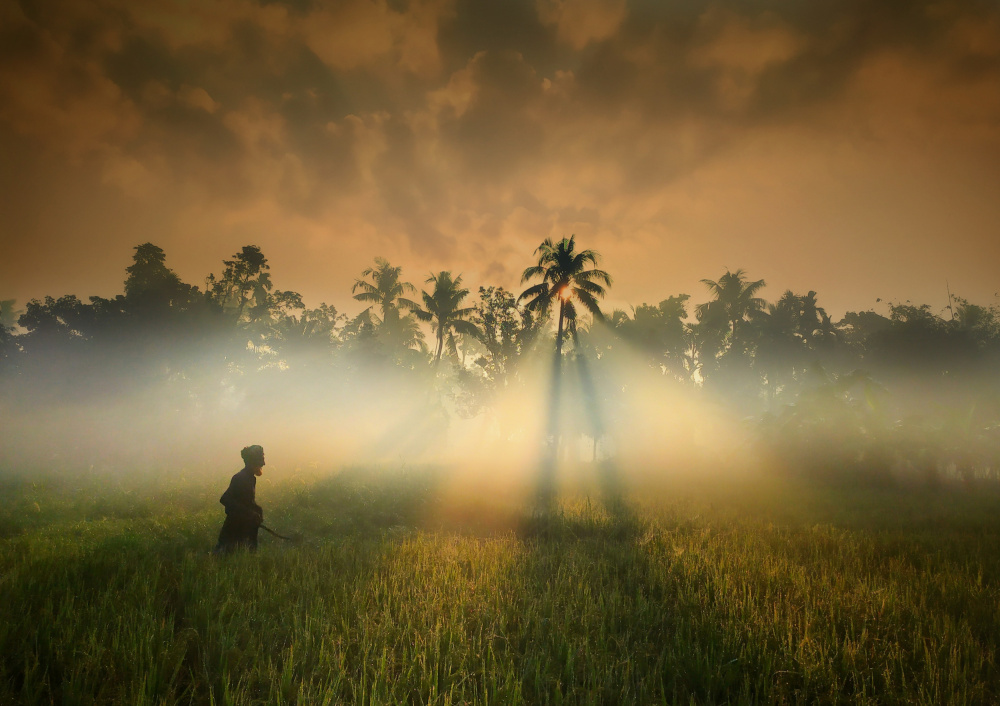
660 332
443 308
735 300
781 348
813 319
385 289
567 280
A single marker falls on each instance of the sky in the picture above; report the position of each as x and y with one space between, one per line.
851 147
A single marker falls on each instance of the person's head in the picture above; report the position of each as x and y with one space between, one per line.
253 457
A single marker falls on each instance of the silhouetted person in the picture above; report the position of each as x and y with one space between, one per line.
243 515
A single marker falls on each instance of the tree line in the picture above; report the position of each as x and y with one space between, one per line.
862 387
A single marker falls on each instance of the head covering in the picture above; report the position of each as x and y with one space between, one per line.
253 454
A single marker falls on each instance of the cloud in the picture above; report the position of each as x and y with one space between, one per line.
738 50
460 133
55 95
358 33
197 98
511 26
502 125
580 22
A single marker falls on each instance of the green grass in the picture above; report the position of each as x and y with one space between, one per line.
741 592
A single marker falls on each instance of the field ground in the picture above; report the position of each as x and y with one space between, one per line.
405 589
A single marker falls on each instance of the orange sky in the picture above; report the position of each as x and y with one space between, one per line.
848 146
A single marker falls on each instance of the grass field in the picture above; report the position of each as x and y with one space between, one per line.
404 591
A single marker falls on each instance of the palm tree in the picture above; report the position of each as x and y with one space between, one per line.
735 300
442 307
781 348
813 319
566 279
385 289
706 339
659 331
401 332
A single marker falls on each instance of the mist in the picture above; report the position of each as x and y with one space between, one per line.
102 417
168 380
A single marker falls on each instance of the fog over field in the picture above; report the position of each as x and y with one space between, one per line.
168 376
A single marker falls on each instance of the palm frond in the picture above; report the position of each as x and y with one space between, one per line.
530 272
588 275
467 328
588 300
540 303
459 314
592 287
585 256
547 246
366 287
534 291
368 297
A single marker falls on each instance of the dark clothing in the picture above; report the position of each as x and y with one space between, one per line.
243 514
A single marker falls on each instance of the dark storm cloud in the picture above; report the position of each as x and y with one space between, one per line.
735 64
499 131
142 59
300 7
412 192
502 26
837 39
21 43
443 123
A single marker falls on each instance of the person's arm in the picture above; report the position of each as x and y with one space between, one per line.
238 501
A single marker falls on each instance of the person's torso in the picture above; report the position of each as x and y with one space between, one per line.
243 486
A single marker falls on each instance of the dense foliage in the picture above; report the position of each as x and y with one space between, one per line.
909 388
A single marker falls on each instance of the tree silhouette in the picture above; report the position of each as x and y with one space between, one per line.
300 337
443 309
8 318
782 336
150 286
707 338
244 281
930 399
507 331
57 320
385 290
566 279
981 322
659 332
812 319
736 301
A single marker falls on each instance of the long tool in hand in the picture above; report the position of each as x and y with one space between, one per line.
279 536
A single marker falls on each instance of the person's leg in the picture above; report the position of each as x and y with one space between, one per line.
245 535
228 537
